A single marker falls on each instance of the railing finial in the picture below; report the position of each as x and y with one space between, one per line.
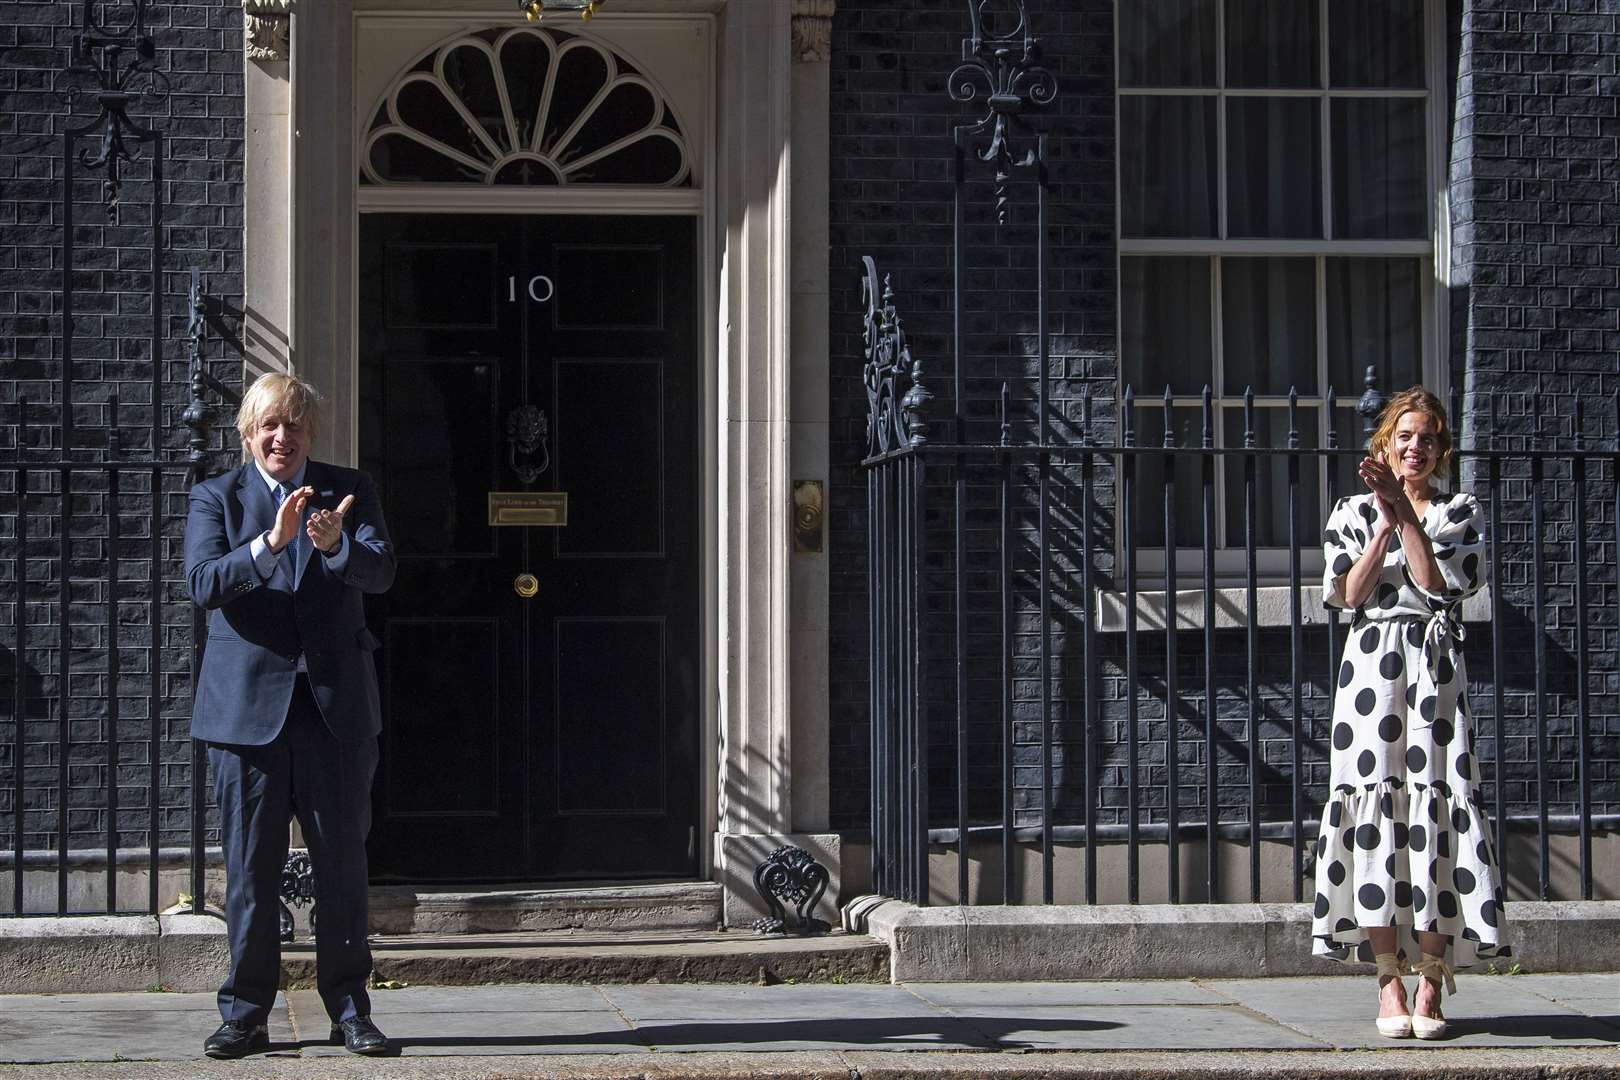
196 415
895 417
1371 405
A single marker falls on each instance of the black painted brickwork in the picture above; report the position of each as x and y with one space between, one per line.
200 57
1551 222
1536 280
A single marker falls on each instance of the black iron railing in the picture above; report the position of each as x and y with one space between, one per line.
80 613
104 641
922 650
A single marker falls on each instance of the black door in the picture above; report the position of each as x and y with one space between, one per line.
542 726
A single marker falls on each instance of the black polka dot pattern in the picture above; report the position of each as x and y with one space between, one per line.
1403 836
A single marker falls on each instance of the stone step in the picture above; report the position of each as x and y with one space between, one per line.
678 905
625 956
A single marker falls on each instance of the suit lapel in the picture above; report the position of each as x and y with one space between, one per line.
258 508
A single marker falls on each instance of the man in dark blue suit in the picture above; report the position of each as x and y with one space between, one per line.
280 551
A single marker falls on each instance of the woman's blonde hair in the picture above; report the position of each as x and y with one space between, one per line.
276 393
1416 399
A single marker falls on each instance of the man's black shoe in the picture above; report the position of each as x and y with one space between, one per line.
235 1039
360 1036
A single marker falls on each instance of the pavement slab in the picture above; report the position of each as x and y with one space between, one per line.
425 1023
784 1018
44 1028
1006 995
1486 1012
519 998
1597 996
1541 1027
755 1002
1167 1027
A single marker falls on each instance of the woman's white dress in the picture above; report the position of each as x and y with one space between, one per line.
1403 840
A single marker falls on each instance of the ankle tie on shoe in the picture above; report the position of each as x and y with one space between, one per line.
1387 965
1437 971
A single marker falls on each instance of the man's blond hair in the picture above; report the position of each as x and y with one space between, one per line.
277 393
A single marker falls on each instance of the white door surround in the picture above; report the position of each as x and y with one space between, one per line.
747 83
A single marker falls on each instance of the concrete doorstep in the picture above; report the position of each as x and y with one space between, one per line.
186 953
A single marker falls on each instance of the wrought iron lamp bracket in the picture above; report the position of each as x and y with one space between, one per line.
1006 68
791 875
101 55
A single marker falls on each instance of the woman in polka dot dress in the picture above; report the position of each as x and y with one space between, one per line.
1404 865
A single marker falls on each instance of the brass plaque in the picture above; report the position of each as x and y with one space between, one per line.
543 509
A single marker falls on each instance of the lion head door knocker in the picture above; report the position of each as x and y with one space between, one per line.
528 431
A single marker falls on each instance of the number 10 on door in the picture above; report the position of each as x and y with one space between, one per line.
540 289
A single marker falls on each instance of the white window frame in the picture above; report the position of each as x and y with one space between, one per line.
1272 562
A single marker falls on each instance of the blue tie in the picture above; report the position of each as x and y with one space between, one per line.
289 557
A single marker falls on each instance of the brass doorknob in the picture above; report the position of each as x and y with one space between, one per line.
526 585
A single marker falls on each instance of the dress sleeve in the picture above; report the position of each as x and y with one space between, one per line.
1458 540
1343 541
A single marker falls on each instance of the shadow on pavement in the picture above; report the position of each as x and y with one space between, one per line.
1551 1026
862 1031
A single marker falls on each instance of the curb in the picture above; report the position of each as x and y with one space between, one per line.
1473 1064
110 953
1174 941
77 954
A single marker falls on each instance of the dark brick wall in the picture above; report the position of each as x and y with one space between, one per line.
1536 284
197 106
1534 313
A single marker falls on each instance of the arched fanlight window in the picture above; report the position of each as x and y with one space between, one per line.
527 106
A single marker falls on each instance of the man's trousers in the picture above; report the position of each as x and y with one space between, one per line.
327 783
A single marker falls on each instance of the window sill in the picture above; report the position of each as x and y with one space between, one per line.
1231 608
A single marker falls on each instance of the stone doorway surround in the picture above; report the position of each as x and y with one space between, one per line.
761 188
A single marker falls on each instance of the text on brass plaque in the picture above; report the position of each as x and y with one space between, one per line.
544 509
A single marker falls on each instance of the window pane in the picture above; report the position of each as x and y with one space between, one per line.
1378 172
1167 43
1268 325
1153 480
1165 324
1167 166
1374 318
1271 487
1271 43
1274 172
1377 43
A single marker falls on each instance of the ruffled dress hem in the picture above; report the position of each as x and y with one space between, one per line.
1413 856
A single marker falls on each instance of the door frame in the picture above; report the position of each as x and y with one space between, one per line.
698 201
